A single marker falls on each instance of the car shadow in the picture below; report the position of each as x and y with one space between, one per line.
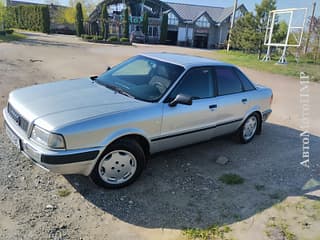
181 188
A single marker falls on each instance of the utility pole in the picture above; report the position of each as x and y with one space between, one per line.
310 27
235 4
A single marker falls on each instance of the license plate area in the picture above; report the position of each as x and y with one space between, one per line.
13 137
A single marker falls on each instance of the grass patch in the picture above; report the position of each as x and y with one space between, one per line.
279 229
251 61
15 36
214 232
231 179
64 192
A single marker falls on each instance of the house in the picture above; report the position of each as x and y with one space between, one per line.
200 26
188 24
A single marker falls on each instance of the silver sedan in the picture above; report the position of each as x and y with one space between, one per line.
107 126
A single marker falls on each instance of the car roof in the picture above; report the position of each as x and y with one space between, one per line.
184 60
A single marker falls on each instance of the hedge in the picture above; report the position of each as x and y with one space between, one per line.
29 17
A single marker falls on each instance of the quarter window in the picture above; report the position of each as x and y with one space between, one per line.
196 83
227 80
247 85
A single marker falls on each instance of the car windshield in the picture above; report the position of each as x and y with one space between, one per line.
141 77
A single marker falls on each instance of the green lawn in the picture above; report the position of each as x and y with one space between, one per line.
15 36
251 61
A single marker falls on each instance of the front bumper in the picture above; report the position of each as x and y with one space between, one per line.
80 161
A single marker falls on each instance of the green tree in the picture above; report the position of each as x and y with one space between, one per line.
45 26
164 28
145 23
79 20
244 34
262 13
2 16
104 19
126 23
280 32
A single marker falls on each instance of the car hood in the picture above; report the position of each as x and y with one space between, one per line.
53 105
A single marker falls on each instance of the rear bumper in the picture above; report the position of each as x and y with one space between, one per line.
266 114
79 161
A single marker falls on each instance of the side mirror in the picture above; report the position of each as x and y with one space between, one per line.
182 99
108 68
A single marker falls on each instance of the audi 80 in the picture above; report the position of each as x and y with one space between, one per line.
107 126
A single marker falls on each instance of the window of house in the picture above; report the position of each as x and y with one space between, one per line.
153 31
203 22
172 19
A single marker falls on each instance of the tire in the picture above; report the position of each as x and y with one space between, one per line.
119 165
249 128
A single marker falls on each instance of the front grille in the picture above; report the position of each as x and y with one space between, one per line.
21 121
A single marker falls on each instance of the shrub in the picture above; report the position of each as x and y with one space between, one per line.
112 39
9 31
2 33
86 36
97 38
124 39
29 17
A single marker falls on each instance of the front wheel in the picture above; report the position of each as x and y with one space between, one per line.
249 128
120 164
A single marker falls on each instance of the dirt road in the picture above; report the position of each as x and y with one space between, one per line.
179 189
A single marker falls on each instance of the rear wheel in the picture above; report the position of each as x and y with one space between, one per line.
120 164
249 128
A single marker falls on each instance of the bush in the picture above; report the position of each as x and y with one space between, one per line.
112 39
86 36
97 38
9 31
29 17
124 39
2 33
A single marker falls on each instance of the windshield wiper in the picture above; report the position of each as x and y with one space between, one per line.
118 90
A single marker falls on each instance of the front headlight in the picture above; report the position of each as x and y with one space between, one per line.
47 139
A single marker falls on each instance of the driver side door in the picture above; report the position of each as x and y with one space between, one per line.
187 124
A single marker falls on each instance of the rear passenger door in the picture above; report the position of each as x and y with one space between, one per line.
233 98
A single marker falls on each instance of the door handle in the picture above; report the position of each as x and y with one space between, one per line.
244 100
213 107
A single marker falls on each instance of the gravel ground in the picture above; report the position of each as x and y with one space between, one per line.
179 189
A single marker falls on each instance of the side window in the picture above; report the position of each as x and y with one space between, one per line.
228 81
197 83
247 85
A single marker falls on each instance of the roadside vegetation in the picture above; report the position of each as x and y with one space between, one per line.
214 232
10 35
248 49
251 61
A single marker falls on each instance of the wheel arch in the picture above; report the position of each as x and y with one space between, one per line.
257 111
134 134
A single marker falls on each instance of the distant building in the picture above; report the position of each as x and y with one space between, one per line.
188 25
